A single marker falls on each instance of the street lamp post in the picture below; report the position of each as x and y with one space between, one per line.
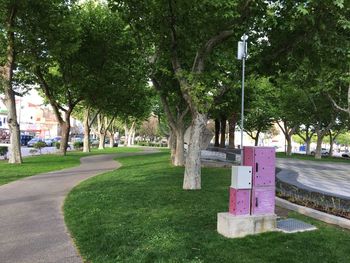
242 55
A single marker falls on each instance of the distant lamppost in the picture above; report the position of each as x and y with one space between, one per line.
242 53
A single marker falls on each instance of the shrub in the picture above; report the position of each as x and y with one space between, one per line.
39 146
143 143
152 144
57 144
3 151
78 145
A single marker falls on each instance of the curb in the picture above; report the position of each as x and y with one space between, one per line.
331 219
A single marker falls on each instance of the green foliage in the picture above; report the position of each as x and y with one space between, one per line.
261 108
343 139
39 145
57 145
78 145
3 150
152 144
139 213
181 35
115 68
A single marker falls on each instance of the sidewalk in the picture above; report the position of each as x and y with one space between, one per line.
31 220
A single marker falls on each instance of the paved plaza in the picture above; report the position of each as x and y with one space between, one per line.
330 178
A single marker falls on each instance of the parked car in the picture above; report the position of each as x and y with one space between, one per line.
34 141
346 155
25 139
48 142
56 139
77 138
324 152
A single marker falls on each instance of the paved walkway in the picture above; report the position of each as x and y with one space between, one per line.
32 227
330 178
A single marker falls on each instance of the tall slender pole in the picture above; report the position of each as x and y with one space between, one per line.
242 109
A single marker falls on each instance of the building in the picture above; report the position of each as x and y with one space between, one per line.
34 117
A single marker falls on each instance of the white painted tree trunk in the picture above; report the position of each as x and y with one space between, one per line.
129 139
15 144
192 176
101 144
111 139
131 134
86 142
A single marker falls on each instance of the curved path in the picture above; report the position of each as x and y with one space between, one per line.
324 177
32 227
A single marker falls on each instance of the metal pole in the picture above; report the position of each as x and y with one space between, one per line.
242 109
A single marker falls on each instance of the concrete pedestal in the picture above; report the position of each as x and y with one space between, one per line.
239 226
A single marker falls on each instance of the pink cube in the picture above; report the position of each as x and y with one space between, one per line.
239 201
263 200
262 160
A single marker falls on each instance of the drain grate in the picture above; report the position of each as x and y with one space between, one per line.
292 225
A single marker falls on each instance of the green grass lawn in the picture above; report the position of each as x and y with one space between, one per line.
48 162
139 213
312 158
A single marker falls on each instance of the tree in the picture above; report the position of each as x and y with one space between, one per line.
9 11
89 119
308 42
175 109
187 37
261 108
50 54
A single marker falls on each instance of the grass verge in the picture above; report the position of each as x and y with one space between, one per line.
49 162
312 158
139 213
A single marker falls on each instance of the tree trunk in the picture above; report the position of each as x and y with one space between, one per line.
256 138
192 176
15 143
289 145
318 154
6 75
133 137
172 145
86 142
65 129
101 144
308 146
217 133
126 135
111 139
180 142
131 134
288 132
331 142
232 128
222 132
